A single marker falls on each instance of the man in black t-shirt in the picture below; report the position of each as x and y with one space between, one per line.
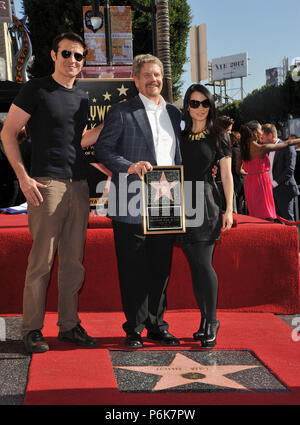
56 190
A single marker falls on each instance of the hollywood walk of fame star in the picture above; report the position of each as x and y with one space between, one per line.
106 96
183 370
122 90
163 187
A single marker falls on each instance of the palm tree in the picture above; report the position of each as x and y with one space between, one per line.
163 46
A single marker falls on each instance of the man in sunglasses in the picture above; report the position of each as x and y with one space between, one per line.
56 114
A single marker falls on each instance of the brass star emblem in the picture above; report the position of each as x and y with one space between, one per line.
122 90
106 96
183 370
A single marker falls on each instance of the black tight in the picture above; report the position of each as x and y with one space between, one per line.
204 278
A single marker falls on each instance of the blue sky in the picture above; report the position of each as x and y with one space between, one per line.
267 30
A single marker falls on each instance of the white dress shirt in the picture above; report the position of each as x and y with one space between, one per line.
162 130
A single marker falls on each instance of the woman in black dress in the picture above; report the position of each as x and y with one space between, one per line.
202 145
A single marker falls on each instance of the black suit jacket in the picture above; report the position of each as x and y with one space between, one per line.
283 173
127 138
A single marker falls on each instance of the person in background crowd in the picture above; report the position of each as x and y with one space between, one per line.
297 167
223 122
282 169
297 172
238 178
203 143
256 163
56 190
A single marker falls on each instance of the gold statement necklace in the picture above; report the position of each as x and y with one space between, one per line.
198 136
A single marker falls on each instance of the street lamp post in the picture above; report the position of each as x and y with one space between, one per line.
96 14
107 32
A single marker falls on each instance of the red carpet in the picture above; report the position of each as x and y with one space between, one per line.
253 277
69 375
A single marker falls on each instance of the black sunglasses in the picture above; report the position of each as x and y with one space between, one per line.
194 104
66 54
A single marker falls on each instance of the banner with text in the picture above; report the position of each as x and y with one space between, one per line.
121 35
228 67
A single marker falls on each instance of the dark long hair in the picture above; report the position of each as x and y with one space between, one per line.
212 109
217 131
248 132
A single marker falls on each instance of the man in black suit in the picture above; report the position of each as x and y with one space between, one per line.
138 134
283 164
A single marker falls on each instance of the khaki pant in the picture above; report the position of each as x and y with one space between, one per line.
60 222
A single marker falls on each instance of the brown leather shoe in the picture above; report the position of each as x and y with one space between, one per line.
34 342
78 336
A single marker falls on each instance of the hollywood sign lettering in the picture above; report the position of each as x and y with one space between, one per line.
99 111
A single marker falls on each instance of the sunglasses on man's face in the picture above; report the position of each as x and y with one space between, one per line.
66 54
194 104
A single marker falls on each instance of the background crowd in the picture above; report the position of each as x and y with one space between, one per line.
265 171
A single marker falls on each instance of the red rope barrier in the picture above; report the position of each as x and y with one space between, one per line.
289 223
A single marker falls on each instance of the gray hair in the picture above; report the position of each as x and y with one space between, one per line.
140 60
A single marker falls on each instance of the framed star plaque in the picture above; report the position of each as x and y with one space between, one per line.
163 200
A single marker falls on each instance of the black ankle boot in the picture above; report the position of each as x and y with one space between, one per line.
199 335
210 336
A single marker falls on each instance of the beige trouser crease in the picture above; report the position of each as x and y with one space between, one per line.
58 224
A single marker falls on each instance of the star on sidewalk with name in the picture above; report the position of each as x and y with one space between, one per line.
183 370
122 90
163 187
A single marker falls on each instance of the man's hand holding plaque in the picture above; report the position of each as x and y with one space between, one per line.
163 201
